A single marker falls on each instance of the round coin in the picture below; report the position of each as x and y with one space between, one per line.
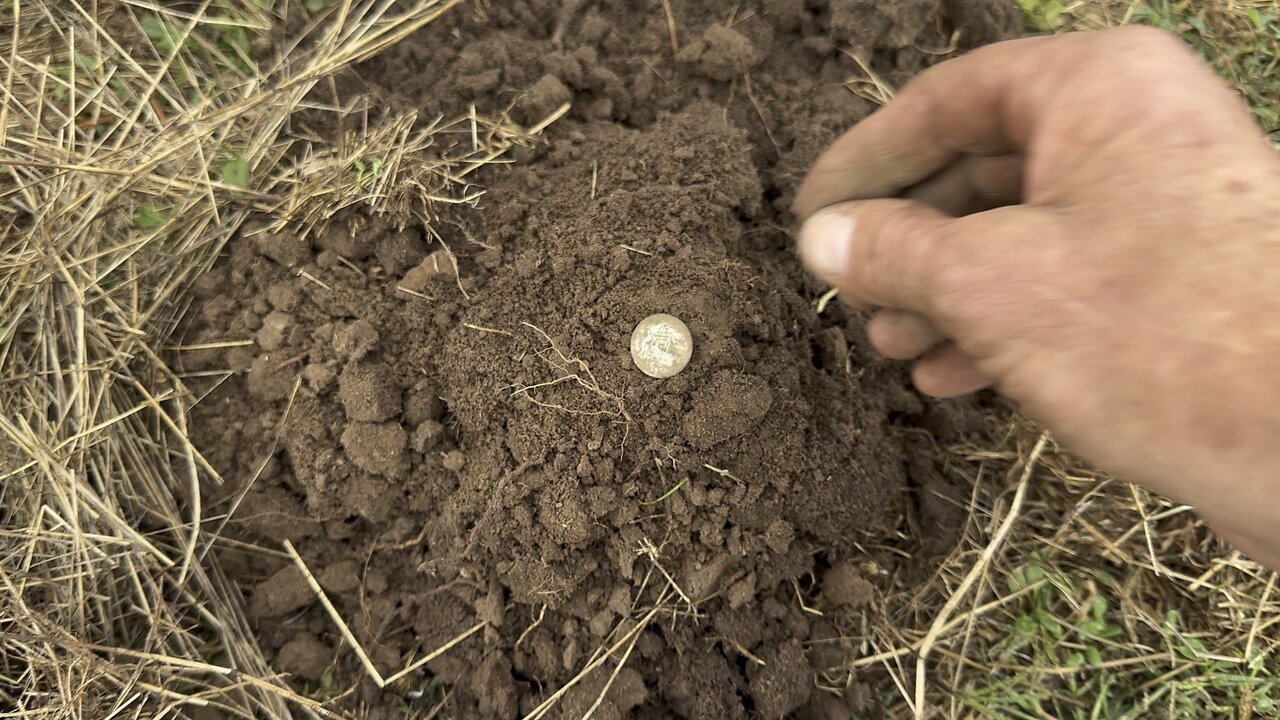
661 345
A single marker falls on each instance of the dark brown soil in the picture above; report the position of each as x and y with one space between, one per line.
491 453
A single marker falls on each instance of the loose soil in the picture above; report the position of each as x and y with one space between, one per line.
448 424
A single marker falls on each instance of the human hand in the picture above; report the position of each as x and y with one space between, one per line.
1090 222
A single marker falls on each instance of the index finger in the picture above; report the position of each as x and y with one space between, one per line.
983 103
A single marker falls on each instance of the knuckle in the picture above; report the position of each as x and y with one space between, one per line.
1147 37
1150 53
970 270
885 227
897 249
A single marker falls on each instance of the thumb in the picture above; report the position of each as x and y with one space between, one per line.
877 252
959 272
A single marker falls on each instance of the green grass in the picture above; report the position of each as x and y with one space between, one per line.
668 493
1064 638
1102 603
1240 39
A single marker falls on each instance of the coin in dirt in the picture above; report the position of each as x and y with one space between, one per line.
661 345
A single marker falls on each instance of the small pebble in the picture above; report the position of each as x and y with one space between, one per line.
454 460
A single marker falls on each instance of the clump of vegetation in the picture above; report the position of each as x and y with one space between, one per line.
1042 15
1241 40
1073 595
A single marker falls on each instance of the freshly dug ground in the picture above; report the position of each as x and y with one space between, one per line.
448 426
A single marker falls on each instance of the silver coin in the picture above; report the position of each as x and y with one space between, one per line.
661 345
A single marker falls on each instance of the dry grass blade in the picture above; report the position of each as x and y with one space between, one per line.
350 637
869 85
394 167
978 568
627 639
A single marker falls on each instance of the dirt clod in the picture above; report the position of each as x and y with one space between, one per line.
368 392
273 331
340 577
268 379
721 54
355 340
399 251
454 460
843 585
286 250
727 407
626 692
378 448
284 592
422 275
871 23
305 656
545 96
782 685
342 240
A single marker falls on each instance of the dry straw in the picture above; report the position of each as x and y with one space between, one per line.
135 138
1069 595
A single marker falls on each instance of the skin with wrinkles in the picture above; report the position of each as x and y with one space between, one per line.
1091 223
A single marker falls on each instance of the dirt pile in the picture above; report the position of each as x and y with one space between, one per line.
448 424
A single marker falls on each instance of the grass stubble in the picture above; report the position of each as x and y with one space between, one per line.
135 139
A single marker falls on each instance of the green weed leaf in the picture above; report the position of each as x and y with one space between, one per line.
1049 622
1034 574
87 63
1015 580
149 218
162 33
1025 625
1044 15
1099 607
235 172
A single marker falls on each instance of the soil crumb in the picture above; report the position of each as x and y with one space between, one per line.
448 423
